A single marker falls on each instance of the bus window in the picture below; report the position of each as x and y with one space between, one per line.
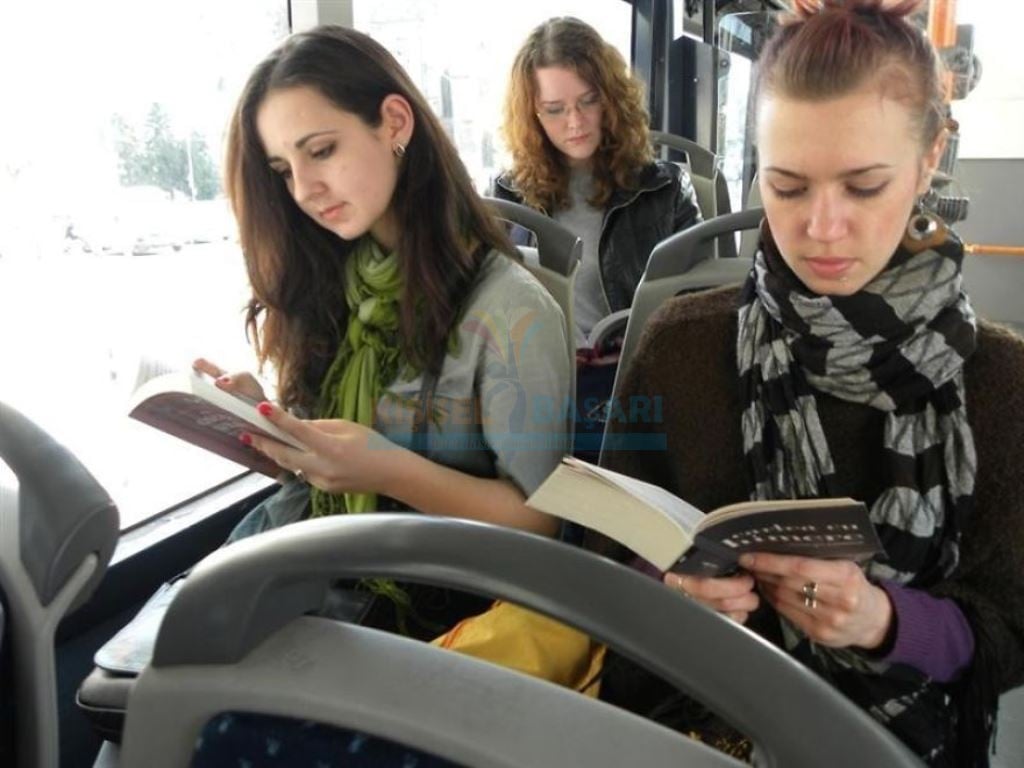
116 242
991 116
464 75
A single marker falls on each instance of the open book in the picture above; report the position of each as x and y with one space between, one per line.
673 535
606 336
188 405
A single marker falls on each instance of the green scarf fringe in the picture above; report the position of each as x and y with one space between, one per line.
368 360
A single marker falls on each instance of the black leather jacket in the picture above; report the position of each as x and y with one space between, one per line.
662 203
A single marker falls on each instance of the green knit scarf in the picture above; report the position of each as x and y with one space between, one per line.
368 360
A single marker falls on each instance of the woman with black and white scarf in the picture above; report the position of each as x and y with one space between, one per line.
854 366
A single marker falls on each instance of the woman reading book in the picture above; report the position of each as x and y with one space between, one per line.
387 298
576 128
851 364
577 131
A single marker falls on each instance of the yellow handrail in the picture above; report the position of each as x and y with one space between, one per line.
999 250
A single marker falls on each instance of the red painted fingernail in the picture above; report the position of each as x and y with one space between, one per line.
265 409
246 438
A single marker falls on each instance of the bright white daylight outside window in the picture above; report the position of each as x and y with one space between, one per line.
116 243
992 115
460 55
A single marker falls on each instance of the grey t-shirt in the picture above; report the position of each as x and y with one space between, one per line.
584 221
501 404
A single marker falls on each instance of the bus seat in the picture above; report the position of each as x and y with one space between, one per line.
553 262
683 263
993 283
709 184
58 528
236 640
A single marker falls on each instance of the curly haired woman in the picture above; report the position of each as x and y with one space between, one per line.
576 127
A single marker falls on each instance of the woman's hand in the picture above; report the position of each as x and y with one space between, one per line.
343 456
340 457
733 596
244 384
831 601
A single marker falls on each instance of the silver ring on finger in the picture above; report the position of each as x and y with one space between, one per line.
810 594
300 476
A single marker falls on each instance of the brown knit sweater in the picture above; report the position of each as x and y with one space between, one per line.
687 355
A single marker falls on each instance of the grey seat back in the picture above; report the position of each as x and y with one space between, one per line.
709 184
58 528
680 263
748 238
553 262
235 639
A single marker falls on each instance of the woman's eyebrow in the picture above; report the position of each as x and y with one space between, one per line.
842 174
302 142
560 101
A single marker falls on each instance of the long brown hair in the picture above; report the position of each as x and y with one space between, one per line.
830 48
540 171
297 314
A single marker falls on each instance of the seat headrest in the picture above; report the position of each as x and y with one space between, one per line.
63 513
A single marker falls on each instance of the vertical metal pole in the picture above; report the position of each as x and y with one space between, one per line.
652 34
708 20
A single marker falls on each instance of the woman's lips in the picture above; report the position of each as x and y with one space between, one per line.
829 268
332 213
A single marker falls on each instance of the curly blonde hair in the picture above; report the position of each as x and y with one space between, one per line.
539 170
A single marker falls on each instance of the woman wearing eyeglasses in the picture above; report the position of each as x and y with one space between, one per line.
576 127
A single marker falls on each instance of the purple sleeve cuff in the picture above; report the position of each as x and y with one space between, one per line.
932 633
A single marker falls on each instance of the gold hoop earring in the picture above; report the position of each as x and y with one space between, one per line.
399 150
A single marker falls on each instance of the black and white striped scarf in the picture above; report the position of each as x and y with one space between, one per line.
897 345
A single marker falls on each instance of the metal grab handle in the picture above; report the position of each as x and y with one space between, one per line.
702 160
680 252
242 593
557 248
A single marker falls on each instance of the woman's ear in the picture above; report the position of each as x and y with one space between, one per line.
397 120
930 161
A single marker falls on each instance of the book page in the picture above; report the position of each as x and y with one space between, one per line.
682 513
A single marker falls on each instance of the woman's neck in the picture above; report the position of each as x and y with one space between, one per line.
385 232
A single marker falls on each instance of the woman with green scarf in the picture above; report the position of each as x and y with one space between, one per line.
428 361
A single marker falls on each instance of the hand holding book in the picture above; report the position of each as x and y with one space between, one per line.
206 412
674 535
830 601
243 384
799 555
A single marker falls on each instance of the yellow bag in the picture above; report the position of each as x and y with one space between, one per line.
530 643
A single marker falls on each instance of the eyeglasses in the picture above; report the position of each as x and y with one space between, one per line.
585 105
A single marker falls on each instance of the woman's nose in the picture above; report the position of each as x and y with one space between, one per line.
306 185
827 221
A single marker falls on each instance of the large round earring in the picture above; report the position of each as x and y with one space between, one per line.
922 225
398 149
